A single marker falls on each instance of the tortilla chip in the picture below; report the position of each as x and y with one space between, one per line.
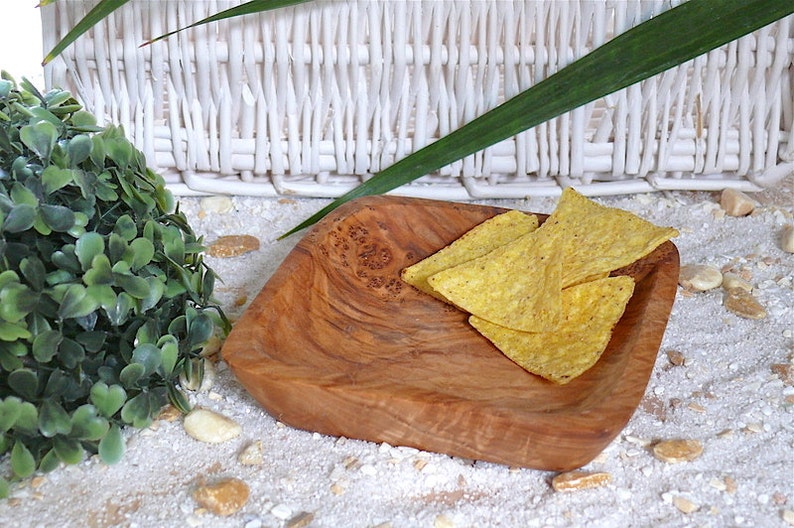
595 239
516 285
590 312
482 239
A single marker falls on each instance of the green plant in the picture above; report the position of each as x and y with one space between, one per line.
667 40
104 296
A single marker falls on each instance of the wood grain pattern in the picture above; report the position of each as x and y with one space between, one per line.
336 343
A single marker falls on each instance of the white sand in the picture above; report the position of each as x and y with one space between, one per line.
725 396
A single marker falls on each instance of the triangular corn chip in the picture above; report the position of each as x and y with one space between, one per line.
480 240
590 312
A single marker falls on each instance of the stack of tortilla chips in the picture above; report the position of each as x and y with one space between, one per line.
543 295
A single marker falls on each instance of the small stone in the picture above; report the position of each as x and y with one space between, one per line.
787 238
301 520
169 413
252 455
281 511
208 426
216 204
442 521
743 304
576 480
785 371
699 277
225 497
732 280
736 203
676 358
233 246
685 505
679 450
788 516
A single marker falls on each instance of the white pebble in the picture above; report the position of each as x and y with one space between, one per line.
281 511
208 426
699 277
216 204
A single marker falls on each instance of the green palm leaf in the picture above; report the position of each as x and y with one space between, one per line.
248 8
667 40
98 13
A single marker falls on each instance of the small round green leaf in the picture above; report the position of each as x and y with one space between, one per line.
130 375
24 382
22 462
87 425
45 345
59 218
79 149
68 450
89 246
40 138
108 399
53 419
76 303
138 411
10 409
20 218
111 447
54 178
142 252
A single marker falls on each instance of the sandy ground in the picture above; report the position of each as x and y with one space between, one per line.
729 394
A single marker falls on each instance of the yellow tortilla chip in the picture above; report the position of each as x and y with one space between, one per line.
516 285
480 240
590 312
595 239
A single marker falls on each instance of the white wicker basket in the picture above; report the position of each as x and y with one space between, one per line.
311 100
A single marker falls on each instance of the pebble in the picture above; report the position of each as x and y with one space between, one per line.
732 280
216 204
743 304
225 497
252 455
576 480
787 238
736 203
676 358
785 371
699 277
685 505
678 450
301 520
208 426
788 516
229 246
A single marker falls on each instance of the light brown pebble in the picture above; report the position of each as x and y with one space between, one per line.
233 246
224 497
577 480
736 203
252 454
169 413
785 371
208 426
732 280
699 277
787 238
678 450
676 358
743 304
301 520
685 505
